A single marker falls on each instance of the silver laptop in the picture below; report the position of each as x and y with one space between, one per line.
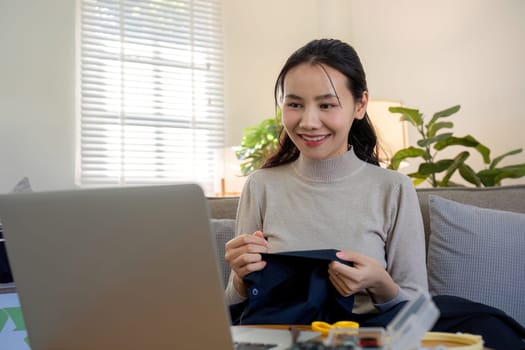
120 268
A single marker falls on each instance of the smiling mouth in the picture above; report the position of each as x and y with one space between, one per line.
314 139
311 138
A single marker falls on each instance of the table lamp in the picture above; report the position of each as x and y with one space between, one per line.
391 131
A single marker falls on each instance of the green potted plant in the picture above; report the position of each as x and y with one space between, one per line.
438 172
258 142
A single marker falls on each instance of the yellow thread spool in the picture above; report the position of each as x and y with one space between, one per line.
456 341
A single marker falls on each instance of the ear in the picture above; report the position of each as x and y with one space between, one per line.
360 106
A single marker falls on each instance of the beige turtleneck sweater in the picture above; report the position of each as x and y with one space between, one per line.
340 203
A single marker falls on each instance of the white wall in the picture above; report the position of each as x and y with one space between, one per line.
426 54
37 111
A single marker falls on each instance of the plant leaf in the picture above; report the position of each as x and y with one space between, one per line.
487 179
442 114
258 142
449 184
437 167
410 115
496 160
458 161
417 175
410 152
434 128
467 141
431 140
417 178
493 177
469 174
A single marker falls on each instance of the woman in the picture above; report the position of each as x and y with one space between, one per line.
324 189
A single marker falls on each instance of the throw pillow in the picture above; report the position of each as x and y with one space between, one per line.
223 230
23 186
478 254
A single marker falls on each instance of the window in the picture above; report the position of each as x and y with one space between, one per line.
151 93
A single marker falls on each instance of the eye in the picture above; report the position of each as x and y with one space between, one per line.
293 105
327 105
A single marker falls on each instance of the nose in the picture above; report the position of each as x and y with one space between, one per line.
310 119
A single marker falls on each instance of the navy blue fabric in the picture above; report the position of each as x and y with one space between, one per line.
293 288
5 269
499 330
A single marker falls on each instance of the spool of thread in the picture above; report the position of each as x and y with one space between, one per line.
456 341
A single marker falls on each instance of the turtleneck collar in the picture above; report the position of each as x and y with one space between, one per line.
328 169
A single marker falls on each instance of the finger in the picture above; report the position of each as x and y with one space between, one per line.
248 263
240 263
350 255
247 248
258 234
249 268
336 283
246 239
243 240
339 285
230 255
246 258
343 274
335 267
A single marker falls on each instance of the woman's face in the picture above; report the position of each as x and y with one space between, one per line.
317 114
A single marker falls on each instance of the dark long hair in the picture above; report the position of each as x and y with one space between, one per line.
344 58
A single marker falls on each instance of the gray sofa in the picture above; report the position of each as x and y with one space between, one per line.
459 265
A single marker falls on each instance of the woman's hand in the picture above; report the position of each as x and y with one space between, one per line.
366 273
243 254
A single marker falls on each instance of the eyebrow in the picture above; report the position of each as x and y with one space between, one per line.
317 98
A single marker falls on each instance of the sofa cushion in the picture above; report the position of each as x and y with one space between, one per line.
478 254
508 198
223 230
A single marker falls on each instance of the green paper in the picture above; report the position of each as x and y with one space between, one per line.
16 315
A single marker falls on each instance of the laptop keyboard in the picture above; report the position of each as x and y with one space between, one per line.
252 346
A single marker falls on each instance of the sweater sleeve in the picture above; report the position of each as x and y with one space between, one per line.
248 220
405 246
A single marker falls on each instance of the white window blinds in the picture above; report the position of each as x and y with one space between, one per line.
151 91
